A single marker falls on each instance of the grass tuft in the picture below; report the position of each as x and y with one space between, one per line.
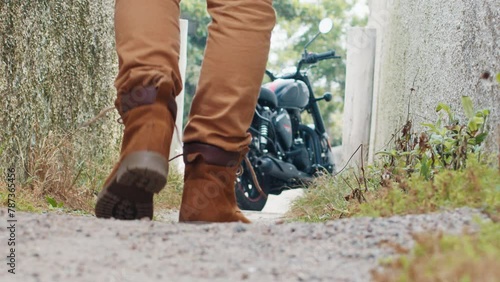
438 257
328 198
57 177
56 171
170 197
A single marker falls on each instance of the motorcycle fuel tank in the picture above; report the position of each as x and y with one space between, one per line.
283 126
291 94
267 98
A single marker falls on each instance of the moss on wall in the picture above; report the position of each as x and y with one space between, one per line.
57 69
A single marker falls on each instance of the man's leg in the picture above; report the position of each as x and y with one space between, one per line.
147 43
216 137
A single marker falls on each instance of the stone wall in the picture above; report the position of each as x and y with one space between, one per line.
57 70
440 49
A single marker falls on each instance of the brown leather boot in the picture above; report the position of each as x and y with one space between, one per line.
143 166
209 179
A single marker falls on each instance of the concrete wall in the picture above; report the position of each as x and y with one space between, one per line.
361 47
57 67
439 48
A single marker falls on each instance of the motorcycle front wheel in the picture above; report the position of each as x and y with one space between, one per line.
247 194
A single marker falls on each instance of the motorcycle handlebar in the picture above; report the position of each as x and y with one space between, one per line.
326 55
307 58
311 58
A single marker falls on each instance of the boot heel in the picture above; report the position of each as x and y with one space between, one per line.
144 170
129 195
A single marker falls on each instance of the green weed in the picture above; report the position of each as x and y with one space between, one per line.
477 186
170 197
440 167
438 257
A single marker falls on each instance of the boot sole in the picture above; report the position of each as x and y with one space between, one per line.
130 194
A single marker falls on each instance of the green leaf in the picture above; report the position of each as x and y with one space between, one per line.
436 138
448 144
468 106
425 167
478 120
483 113
481 137
498 77
474 123
472 126
431 126
446 108
52 203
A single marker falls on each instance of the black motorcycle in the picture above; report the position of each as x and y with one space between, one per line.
284 152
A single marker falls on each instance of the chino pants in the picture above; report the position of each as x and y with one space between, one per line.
147 43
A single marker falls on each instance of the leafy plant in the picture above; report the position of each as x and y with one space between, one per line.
439 167
476 186
53 204
444 144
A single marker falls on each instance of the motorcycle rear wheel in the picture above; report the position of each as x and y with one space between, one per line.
247 195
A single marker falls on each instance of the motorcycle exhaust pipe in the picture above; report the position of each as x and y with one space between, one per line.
281 170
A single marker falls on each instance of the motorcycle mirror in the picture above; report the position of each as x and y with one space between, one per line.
325 25
328 96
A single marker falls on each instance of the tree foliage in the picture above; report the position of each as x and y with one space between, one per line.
298 23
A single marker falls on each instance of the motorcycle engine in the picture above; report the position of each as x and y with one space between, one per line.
300 156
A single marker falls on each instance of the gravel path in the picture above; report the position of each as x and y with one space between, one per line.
53 247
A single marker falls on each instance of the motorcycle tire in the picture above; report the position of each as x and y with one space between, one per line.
247 195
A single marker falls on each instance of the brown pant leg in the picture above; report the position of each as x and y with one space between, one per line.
232 71
147 43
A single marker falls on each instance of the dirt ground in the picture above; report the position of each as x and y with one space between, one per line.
59 247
